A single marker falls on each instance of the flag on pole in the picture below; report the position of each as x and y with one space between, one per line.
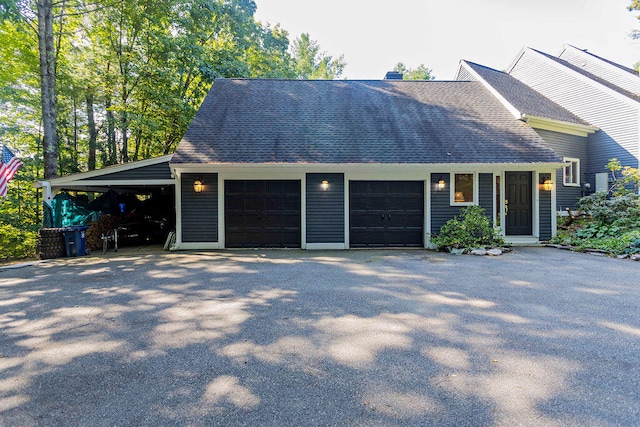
8 168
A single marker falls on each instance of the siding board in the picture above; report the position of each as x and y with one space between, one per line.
158 171
485 193
199 219
617 118
568 146
441 211
545 212
325 209
619 77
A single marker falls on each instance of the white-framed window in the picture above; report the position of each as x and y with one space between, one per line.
571 172
463 188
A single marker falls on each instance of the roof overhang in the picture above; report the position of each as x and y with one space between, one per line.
90 181
180 168
537 122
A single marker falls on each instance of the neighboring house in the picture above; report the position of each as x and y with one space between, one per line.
602 93
564 132
346 164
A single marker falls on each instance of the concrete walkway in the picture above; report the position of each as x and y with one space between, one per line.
281 338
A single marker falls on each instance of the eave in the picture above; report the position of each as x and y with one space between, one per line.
537 122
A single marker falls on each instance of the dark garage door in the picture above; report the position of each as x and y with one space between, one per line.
262 214
386 213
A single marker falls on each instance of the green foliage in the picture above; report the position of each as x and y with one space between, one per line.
311 63
420 73
472 229
16 243
613 224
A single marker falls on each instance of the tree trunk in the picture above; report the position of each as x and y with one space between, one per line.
93 134
48 87
124 128
111 135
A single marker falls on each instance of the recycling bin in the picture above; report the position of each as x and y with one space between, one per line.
75 240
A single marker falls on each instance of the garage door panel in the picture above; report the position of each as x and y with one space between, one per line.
263 213
386 213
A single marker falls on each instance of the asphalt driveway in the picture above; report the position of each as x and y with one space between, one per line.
273 338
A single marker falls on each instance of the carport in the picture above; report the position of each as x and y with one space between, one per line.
148 179
142 177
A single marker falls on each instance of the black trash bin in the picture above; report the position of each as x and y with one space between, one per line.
75 240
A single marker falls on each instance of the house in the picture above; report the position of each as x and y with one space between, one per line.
566 133
349 164
600 92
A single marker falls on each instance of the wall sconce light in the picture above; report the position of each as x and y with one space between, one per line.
324 185
547 184
441 184
198 186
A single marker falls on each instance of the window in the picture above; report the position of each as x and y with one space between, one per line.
462 190
571 172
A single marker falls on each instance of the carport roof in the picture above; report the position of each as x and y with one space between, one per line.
139 176
250 121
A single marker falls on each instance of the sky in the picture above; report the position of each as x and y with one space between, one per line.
375 35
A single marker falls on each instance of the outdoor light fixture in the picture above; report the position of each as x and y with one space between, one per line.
547 184
324 185
441 184
198 186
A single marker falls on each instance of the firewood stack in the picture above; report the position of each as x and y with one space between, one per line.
100 228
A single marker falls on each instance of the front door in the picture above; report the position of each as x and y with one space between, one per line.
518 204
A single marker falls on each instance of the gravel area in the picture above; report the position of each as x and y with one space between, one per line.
538 337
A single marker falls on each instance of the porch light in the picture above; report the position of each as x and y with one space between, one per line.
441 184
198 186
324 185
547 184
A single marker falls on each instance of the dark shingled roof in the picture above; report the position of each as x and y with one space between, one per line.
525 99
386 121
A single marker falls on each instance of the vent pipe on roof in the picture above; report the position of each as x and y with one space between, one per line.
393 75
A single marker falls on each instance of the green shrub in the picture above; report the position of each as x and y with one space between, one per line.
16 243
613 222
472 229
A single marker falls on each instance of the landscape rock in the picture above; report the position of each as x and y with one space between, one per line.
495 252
623 256
479 252
635 257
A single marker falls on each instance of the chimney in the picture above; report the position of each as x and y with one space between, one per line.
393 75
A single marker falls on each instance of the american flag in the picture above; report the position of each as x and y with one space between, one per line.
8 168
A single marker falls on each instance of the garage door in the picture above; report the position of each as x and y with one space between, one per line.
262 214
386 213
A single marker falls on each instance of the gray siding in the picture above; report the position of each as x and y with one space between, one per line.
158 171
616 117
485 193
602 69
199 210
568 146
325 209
545 214
465 75
441 211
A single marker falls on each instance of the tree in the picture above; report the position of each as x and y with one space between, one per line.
420 73
40 18
310 63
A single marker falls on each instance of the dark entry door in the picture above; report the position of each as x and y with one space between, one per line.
262 214
386 213
518 201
